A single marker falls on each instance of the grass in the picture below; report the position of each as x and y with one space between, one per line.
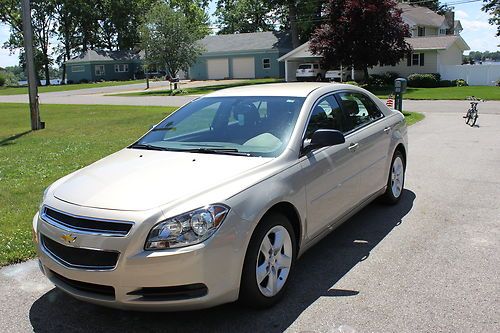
449 93
65 87
199 90
413 117
76 136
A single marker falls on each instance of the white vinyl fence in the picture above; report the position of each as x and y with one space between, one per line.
475 75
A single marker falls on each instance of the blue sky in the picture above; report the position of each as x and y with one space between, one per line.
478 33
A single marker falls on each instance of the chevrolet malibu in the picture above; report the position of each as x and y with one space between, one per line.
217 201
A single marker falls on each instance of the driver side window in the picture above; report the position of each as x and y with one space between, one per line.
325 115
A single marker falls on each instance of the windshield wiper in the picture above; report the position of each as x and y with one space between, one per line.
147 147
222 151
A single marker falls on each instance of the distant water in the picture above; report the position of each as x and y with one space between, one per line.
53 81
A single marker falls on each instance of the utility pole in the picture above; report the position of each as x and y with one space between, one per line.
36 124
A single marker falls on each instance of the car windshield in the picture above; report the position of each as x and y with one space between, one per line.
305 66
248 126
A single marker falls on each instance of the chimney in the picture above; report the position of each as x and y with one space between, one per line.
449 17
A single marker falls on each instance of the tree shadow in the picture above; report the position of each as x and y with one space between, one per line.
316 273
10 139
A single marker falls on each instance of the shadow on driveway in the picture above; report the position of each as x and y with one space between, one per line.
315 276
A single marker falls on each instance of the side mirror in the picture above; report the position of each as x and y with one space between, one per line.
324 138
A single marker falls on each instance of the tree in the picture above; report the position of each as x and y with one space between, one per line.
362 33
493 8
238 16
170 38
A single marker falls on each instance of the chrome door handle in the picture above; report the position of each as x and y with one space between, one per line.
353 146
387 130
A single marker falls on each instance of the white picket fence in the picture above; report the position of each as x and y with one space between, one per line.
475 75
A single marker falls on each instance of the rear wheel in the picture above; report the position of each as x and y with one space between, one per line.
473 119
319 78
268 262
395 183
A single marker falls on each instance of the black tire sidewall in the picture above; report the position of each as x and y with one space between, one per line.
250 294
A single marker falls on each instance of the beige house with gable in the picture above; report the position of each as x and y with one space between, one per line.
435 41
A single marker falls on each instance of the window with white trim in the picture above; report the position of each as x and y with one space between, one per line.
416 59
266 63
121 68
99 70
421 31
442 31
77 68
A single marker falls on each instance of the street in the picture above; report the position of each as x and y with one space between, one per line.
429 264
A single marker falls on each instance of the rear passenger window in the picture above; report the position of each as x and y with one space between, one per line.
359 110
325 115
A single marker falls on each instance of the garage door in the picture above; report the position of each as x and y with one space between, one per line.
244 68
218 68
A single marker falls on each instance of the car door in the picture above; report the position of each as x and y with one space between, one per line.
327 172
368 134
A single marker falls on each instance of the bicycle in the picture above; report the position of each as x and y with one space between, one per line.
472 114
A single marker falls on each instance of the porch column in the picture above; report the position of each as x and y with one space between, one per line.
286 70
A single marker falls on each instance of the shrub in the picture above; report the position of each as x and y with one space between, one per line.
70 82
424 80
498 83
2 79
376 80
390 77
446 83
461 83
83 81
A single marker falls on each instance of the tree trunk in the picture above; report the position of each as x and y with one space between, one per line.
366 76
292 17
46 67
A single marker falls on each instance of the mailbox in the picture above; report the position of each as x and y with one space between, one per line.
400 85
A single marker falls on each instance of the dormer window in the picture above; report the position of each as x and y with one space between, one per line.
442 31
421 31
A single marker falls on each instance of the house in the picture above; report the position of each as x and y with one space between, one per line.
241 56
97 65
435 40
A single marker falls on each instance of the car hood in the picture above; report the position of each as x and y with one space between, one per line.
137 180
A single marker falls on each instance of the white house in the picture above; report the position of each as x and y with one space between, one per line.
435 40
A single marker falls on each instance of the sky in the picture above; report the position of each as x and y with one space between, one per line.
478 33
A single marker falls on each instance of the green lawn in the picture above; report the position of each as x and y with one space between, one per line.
65 87
450 93
199 90
76 135
413 117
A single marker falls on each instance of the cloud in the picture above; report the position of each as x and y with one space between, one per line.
460 15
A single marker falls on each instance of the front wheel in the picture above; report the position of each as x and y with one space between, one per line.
268 262
395 183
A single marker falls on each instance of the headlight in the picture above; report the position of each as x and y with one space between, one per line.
186 229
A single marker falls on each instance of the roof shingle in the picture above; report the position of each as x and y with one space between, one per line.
247 42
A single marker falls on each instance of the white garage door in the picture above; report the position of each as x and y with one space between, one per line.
218 68
244 68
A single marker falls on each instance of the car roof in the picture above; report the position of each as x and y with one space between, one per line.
293 89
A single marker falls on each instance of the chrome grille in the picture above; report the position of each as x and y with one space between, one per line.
86 225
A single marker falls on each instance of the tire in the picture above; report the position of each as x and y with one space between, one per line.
319 78
474 117
396 177
265 294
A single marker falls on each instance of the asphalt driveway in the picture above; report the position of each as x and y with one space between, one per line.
429 264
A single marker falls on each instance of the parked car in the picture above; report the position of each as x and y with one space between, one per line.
217 201
310 72
343 75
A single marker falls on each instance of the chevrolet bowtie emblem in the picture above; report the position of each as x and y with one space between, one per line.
69 238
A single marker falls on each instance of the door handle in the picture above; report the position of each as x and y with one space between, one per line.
387 129
353 146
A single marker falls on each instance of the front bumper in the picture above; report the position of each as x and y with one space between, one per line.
194 277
